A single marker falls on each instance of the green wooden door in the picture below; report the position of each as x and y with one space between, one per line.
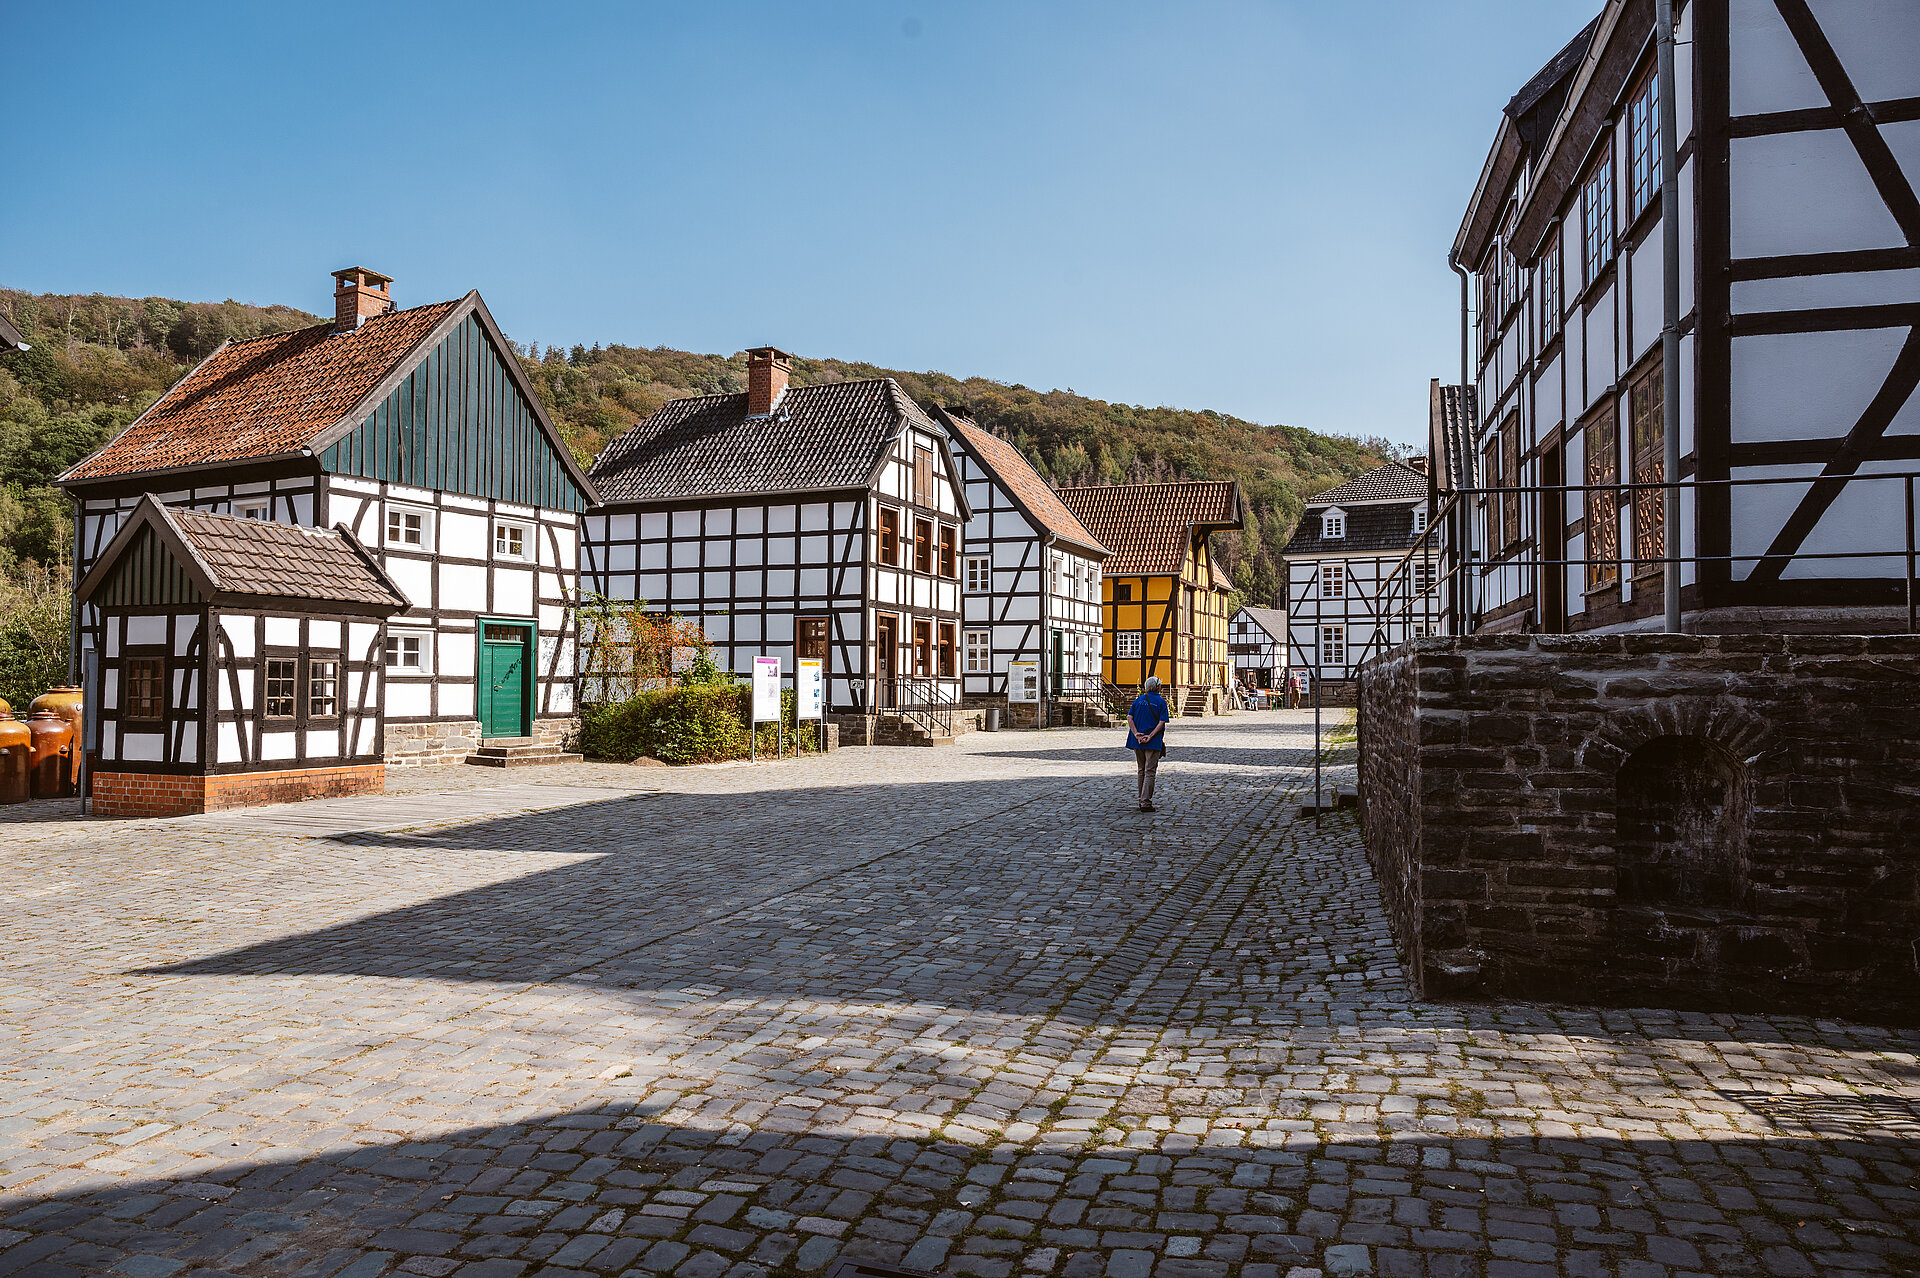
506 652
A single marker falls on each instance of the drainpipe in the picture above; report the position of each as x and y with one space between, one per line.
1670 303
1462 525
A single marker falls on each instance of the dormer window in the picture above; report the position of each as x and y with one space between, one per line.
1419 519
1333 524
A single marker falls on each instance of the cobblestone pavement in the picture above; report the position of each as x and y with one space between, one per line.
962 1009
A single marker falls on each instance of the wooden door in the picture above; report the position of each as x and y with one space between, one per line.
1059 662
506 653
886 658
1553 542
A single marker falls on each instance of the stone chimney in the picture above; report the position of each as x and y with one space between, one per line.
768 370
1417 463
358 296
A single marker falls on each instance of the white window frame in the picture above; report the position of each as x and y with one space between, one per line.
1333 580
1126 644
396 509
979 574
526 540
977 647
1419 519
1059 567
1333 640
1333 525
426 653
244 508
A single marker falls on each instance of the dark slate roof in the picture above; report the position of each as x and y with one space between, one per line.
1368 528
1146 526
1015 474
1391 482
1271 620
1551 76
1454 410
234 559
817 438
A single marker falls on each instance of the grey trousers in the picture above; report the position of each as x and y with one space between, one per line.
1147 764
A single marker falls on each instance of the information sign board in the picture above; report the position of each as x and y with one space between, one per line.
1023 681
810 687
766 689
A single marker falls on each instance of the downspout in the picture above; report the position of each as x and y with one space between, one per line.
1463 526
1670 303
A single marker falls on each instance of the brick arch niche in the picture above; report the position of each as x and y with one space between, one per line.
1681 808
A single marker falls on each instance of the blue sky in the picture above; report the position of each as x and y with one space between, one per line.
1236 206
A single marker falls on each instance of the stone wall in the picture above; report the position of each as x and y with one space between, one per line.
417 745
1718 822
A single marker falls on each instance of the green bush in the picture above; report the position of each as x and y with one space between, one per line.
699 723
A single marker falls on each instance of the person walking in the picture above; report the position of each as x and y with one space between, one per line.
1147 722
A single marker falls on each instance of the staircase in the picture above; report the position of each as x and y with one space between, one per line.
517 752
1193 701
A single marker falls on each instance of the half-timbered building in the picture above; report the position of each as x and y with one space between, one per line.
1030 576
417 431
1798 322
1339 564
798 522
1163 597
240 662
1257 644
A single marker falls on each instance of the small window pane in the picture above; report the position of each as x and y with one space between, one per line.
146 688
510 541
404 652
280 692
322 689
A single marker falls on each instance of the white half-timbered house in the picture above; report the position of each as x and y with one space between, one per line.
1798 145
1030 576
1257 644
799 522
1343 554
240 662
417 431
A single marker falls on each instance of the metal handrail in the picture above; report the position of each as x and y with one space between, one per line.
921 700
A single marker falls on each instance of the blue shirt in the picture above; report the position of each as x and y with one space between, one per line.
1148 709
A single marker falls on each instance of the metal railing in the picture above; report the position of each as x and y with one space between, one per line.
921 700
1442 585
1075 686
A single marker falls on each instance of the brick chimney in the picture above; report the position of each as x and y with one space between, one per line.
1417 463
358 296
768 370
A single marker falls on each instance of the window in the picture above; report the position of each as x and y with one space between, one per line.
922 546
890 536
949 551
1333 645
1333 581
1602 502
1123 593
1419 519
811 638
253 509
979 574
923 648
1551 301
1058 567
1126 643
1490 473
1596 218
407 653
1510 478
1423 576
323 689
407 527
948 654
1643 145
280 692
1646 406
1333 524
923 477
979 652
510 541
146 688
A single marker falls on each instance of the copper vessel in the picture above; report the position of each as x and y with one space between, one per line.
16 756
52 754
69 702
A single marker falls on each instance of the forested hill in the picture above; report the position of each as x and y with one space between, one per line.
98 361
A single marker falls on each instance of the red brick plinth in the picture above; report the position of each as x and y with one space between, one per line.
151 794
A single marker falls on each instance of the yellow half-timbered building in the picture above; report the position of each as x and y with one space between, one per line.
1164 597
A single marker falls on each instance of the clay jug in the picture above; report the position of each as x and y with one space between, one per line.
5 709
52 744
69 702
16 755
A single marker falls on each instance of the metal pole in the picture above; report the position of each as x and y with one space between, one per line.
1913 618
1670 303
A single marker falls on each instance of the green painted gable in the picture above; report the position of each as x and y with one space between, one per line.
147 576
459 423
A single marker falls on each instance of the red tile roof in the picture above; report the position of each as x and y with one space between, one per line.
1024 482
1146 525
264 397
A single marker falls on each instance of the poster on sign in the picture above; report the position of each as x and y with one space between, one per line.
766 689
810 687
1023 681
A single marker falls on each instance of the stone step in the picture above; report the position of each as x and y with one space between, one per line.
490 742
533 757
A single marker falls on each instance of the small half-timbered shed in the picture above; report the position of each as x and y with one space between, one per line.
1257 642
1031 575
418 431
1341 558
241 662
1163 598
806 521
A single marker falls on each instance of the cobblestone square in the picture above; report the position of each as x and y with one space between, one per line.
960 1009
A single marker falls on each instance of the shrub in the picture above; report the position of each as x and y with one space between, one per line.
699 723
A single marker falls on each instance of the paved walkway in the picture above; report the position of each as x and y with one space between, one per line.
960 1009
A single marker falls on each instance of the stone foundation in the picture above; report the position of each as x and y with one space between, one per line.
417 745
891 730
1692 821
151 794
